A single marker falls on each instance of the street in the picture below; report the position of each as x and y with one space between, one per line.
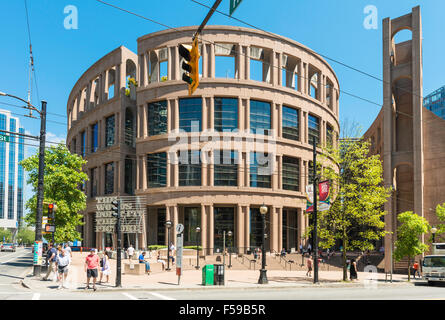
14 266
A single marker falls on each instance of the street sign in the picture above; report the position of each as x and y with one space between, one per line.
4 138
50 228
179 247
233 5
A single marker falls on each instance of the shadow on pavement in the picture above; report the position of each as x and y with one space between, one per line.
170 283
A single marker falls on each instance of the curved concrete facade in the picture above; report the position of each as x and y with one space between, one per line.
289 79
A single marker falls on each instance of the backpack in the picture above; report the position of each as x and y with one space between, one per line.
102 262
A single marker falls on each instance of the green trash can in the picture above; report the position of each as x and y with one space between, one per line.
207 275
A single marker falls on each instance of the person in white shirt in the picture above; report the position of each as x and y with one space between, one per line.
172 252
63 261
130 252
68 249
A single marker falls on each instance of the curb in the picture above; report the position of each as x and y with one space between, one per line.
225 288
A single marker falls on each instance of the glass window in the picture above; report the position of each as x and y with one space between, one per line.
226 114
290 123
330 135
192 219
109 131
129 176
311 173
190 168
291 173
260 170
190 114
94 137
129 128
260 117
225 168
256 228
314 129
109 178
157 170
93 181
2 168
161 212
82 143
224 221
157 118
12 169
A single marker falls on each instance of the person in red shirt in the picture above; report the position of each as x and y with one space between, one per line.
416 269
91 268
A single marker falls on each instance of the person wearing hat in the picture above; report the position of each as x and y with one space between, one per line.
91 267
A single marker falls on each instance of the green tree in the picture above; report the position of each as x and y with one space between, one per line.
5 233
356 214
63 176
408 243
440 213
26 236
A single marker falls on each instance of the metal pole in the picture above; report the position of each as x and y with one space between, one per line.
168 249
119 246
206 19
315 238
224 249
40 194
197 250
263 275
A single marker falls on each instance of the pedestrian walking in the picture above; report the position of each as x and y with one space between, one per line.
416 269
353 270
309 267
105 268
68 250
63 261
301 248
91 268
142 260
130 252
51 256
309 248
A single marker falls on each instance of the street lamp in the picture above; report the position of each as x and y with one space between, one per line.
263 275
433 231
39 213
198 230
230 233
168 224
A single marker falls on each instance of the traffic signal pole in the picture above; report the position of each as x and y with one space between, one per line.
119 243
314 236
207 18
40 195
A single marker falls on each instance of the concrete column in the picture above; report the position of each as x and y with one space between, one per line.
239 234
306 79
120 79
141 65
118 132
176 174
247 62
138 172
247 169
280 228
240 115
300 125
212 114
204 174
105 75
239 63
211 169
306 127
247 228
302 175
176 114
274 120
204 228
247 115
211 229
169 170
275 173
280 172
116 177
144 172
211 58
280 69
274 230
175 221
146 68
144 120
205 63
240 169
176 67
300 76
170 62
280 121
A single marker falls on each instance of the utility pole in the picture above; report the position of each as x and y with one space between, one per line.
40 195
314 236
117 209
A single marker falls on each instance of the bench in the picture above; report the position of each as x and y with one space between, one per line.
134 268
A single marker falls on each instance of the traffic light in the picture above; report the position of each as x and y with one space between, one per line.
190 65
51 212
115 207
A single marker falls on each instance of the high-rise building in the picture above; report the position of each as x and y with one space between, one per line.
435 102
12 150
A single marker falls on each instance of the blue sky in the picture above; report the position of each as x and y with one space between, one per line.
331 27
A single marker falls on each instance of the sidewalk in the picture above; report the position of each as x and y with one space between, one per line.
191 279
